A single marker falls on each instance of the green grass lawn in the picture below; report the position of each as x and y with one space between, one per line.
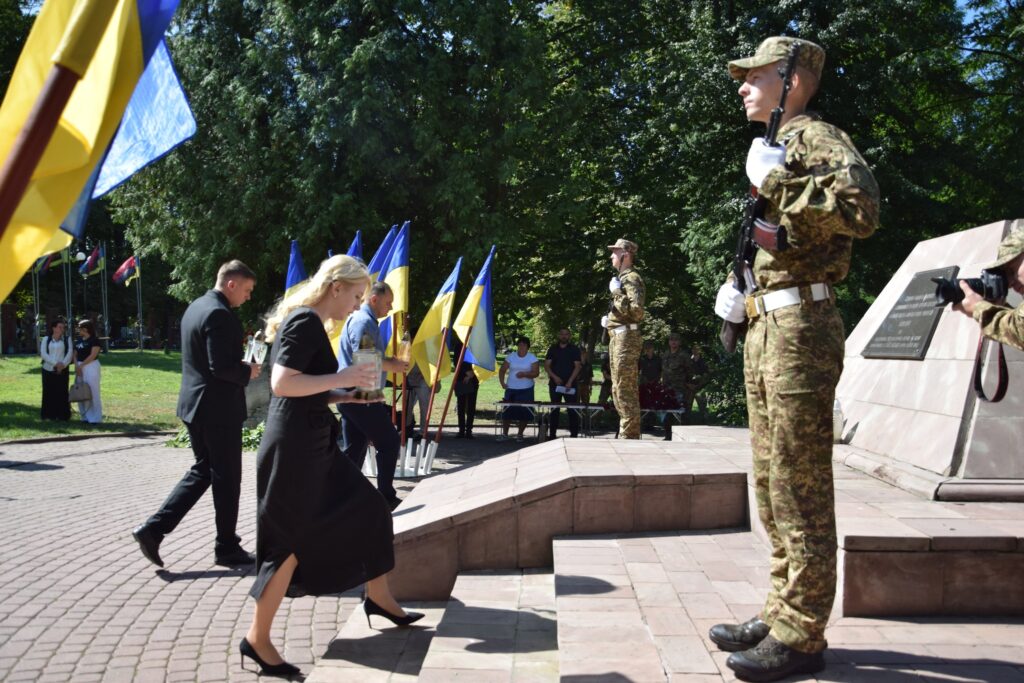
139 392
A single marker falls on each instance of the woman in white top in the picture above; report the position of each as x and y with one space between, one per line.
87 366
56 351
516 377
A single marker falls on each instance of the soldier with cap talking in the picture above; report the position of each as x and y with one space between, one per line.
624 341
819 196
998 321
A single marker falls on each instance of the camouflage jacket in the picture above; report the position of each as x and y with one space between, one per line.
627 302
675 369
824 196
1001 323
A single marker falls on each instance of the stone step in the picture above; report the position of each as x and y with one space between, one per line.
638 608
497 626
378 653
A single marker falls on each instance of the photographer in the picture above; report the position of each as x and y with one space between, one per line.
999 321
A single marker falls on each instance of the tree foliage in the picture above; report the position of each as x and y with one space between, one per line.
554 128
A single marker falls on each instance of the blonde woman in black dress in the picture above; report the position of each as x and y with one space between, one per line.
321 526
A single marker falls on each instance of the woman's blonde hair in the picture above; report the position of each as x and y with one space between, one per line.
338 268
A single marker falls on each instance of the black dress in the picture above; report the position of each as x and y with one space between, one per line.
312 501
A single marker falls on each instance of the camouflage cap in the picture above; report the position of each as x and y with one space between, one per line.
773 49
1010 248
625 245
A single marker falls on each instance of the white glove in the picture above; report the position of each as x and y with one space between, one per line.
604 321
730 304
761 158
614 284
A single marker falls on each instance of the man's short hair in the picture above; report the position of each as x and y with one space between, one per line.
235 270
675 335
379 287
523 340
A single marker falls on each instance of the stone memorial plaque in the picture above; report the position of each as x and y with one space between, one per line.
907 330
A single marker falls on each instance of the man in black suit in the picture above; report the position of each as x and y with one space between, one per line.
211 403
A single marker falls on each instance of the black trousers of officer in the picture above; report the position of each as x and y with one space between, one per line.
366 423
556 413
218 452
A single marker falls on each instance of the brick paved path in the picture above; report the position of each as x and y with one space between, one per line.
79 602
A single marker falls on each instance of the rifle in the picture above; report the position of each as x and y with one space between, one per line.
746 247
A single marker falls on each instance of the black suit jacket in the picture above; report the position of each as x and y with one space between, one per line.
213 376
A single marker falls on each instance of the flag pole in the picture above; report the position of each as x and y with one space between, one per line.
394 385
405 398
138 295
103 298
433 385
80 41
451 389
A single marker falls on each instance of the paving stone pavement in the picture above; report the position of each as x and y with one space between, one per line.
78 602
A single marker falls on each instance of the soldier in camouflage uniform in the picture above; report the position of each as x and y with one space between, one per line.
675 369
623 324
998 321
821 195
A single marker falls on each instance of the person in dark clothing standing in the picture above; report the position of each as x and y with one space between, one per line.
563 365
211 403
466 388
56 351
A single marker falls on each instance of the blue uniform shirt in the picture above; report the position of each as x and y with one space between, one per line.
360 323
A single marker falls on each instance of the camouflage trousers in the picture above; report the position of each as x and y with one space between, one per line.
624 356
793 357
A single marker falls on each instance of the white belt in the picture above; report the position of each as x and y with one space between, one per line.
622 328
759 304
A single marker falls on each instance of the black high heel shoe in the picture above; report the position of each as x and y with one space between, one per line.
370 607
284 669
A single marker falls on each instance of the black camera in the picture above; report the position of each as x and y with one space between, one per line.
991 286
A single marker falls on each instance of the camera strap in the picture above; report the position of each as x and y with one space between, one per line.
1000 384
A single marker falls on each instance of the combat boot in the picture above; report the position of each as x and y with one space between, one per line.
736 637
772 660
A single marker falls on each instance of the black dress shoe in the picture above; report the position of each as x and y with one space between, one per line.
772 660
370 607
283 670
394 502
736 637
238 557
149 543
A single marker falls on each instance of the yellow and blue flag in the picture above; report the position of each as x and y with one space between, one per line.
396 274
125 34
475 324
380 258
426 347
157 120
296 270
96 262
355 250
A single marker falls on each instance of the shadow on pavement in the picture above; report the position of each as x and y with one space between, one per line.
171 577
27 466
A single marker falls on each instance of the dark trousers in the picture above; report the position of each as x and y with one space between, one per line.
218 451
366 423
55 396
574 417
466 408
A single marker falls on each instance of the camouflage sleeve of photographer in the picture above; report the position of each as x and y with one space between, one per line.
998 321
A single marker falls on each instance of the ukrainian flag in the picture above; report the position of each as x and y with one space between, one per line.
426 347
296 270
356 249
124 34
476 321
396 274
380 259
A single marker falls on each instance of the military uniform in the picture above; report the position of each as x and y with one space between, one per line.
624 346
823 197
675 372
